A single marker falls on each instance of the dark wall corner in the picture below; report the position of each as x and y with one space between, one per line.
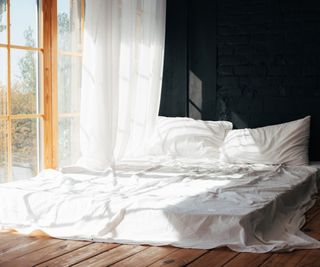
174 84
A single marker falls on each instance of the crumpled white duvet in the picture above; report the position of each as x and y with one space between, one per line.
252 208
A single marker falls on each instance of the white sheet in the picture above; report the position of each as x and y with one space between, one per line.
253 208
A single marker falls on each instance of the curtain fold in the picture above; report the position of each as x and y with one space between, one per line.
121 78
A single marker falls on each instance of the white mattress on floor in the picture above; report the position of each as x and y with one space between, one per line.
254 208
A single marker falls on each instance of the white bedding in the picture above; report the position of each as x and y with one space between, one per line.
253 208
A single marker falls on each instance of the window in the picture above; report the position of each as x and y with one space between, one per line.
70 29
40 76
21 89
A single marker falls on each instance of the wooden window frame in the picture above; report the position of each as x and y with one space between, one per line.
8 117
48 14
50 94
51 111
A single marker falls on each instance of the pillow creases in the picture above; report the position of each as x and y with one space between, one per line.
188 138
285 143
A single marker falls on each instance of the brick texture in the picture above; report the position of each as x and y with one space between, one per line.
268 61
258 61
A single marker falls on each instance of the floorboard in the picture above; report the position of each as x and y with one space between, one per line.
216 257
112 256
312 258
45 254
146 257
180 257
79 255
24 251
285 259
248 259
21 249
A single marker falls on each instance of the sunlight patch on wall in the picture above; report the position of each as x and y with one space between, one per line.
195 96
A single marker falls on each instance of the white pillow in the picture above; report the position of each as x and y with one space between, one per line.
187 138
285 143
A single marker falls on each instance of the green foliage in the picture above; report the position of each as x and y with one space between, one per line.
3 133
64 31
3 6
24 102
25 143
24 99
3 9
64 85
27 65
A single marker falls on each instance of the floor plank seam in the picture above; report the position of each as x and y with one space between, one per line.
10 249
265 260
198 257
107 250
312 217
304 256
163 257
37 249
60 255
126 257
236 255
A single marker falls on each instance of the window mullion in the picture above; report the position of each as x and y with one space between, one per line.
9 122
50 82
54 66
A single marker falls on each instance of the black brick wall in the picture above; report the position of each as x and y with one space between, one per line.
268 63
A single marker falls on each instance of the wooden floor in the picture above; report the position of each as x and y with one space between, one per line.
23 251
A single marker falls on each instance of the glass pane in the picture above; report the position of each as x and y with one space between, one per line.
24 22
3 21
3 80
69 25
24 81
3 152
69 82
69 145
25 148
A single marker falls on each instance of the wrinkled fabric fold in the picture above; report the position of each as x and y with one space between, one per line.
189 204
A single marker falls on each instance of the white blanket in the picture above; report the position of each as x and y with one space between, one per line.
253 208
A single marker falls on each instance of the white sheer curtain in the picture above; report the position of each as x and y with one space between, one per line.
121 78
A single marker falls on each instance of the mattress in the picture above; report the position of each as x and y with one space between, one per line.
202 204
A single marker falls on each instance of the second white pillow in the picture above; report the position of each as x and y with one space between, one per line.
285 143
